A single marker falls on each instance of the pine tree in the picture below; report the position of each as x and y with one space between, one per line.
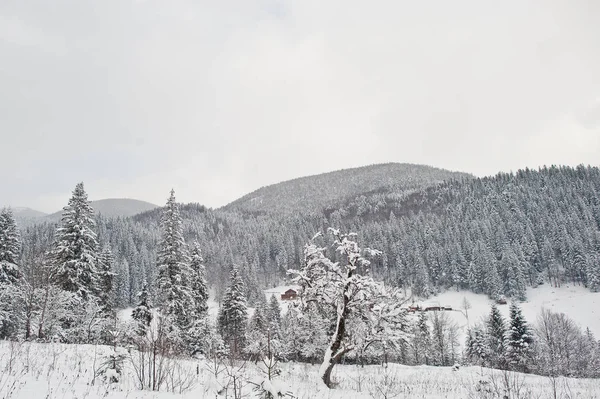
519 349
233 314
106 295
515 285
10 275
10 248
198 284
198 336
74 255
496 331
176 301
593 272
421 344
274 317
258 329
477 346
142 315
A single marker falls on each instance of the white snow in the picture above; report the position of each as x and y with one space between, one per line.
31 370
579 303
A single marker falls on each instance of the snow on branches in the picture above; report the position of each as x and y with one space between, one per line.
364 312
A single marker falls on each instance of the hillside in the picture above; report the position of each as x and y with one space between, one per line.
114 207
494 235
313 193
27 213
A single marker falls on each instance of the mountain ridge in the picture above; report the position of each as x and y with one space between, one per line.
316 192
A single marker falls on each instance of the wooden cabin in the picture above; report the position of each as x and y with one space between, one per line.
289 294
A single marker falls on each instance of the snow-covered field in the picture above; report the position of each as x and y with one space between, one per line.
32 371
579 303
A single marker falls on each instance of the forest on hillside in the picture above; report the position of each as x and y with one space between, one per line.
495 235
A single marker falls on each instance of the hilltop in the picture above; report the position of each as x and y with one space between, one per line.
314 193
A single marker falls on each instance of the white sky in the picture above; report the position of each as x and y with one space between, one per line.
218 98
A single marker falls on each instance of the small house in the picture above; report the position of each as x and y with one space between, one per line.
289 294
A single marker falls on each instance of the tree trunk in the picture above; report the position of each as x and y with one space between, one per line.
333 353
43 315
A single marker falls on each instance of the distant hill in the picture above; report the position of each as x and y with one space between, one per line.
315 193
27 213
27 216
113 207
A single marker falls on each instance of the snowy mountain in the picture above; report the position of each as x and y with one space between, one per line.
314 193
27 213
114 207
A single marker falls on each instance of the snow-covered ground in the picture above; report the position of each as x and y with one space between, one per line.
31 371
577 302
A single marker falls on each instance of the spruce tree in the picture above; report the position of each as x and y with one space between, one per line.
233 314
496 329
74 254
10 275
258 328
198 284
519 350
274 316
515 283
106 295
593 272
174 296
10 248
421 344
142 315
199 335
478 346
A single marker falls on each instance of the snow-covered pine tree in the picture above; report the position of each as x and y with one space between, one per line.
198 284
421 340
10 248
515 282
10 275
496 331
176 301
74 256
519 341
106 294
233 314
198 334
274 317
478 346
593 272
142 315
257 333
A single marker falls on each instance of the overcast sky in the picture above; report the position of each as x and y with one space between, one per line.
218 98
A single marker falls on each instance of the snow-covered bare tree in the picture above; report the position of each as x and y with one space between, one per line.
347 288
